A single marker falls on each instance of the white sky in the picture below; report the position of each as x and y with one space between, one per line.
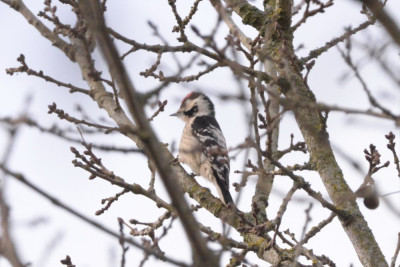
46 161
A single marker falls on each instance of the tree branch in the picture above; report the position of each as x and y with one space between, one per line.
151 146
20 7
311 124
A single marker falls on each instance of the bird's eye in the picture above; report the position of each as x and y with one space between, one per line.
191 112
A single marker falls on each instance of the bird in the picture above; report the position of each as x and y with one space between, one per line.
202 145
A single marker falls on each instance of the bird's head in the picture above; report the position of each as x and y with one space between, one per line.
193 105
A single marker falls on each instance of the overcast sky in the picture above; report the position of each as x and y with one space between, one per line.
46 234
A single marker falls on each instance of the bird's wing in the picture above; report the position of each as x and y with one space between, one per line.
206 129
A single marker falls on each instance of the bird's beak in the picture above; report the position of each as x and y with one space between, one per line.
176 114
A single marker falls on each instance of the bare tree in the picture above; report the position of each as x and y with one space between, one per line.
255 43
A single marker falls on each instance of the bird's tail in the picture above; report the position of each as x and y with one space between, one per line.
223 192
227 197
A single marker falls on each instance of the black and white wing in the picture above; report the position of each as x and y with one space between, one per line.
207 131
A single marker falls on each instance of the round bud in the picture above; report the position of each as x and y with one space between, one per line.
371 202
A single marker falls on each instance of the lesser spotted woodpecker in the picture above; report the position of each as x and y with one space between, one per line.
202 145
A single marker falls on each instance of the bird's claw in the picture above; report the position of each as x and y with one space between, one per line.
175 160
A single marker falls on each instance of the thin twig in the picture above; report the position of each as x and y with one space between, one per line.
65 116
285 202
181 27
391 146
25 69
151 226
122 242
161 106
303 232
396 252
318 51
8 247
307 187
309 13
347 58
316 229
61 133
110 200
95 167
